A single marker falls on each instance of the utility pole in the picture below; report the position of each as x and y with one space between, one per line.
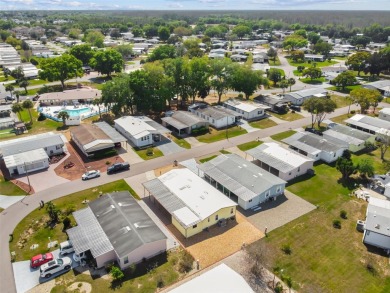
28 180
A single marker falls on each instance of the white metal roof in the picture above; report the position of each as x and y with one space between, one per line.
368 122
26 157
221 279
136 126
245 106
385 111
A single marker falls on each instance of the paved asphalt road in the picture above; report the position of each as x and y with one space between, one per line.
10 217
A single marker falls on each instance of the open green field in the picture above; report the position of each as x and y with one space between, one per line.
308 80
263 123
346 90
282 135
290 116
340 101
323 258
249 145
306 64
340 119
145 156
8 188
216 135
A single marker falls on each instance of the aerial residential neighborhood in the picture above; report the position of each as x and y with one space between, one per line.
164 148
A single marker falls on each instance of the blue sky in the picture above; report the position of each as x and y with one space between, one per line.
195 4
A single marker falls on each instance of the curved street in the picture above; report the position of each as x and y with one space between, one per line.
11 216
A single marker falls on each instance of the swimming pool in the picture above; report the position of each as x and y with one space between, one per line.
78 112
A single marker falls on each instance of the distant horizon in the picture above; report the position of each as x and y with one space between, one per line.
196 5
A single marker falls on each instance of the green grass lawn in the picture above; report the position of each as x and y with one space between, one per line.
225 152
340 119
8 188
306 64
204 160
282 135
288 116
32 82
276 63
249 145
325 259
297 73
7 133
308 80
340 101
143 153
3 78
375 157
263 123
216 135
31 92
181 142
346 90
36 222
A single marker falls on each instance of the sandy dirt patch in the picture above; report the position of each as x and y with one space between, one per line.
84 288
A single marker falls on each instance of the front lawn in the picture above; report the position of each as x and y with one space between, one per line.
346 90
340 119
34 228
216 135
249 145
263 123
282 135
308 80
323 258
204 160
375 157
8 188
307 64
290 116
147 154
340 101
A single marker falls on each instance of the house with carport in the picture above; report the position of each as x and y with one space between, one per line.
298 97
383 86
31 153
242 181
367 124
316 147
193 204
217 116
183 122
141 131
115 227
376 227
280 161
384 114
248 110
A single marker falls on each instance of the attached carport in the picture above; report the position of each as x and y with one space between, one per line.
176 125
114 135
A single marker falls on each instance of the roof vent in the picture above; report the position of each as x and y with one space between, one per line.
244 165
136 225
239 167
119 204
254 176
112 206
377 226
128 228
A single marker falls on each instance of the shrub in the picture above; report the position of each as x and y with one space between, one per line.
116 273
343 214
79 285
353 112
286 249
186 263
149 151
69 209
240 96
108 162
41 117
370 267
34 61
160 281
67 223
337 224
200 130
278 288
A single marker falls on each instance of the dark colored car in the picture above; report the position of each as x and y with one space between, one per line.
295 108
40 259
313 130
118 167
9 98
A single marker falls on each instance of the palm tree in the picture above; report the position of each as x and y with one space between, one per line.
97 103
17 94
17 108
291 82
63 115
24 84
9 88
27 104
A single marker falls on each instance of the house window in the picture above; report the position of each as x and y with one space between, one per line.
208 220
231 210
58 147
260 112
334 155
317 155
299 169
289 173
194 226
216 217
126 260
213 121
250 200
267 194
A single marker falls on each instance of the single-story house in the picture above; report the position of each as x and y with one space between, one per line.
355 138
31 153
260 57
316 147
384 114
217 116
238 57
376 227
335 69
219 279
367 123
243 181
298 97
315 58
381 184
248 110
110 131
5 111
184 122
115 227
194 205
282 162
277 104
141 131
338 53
383 86
90 139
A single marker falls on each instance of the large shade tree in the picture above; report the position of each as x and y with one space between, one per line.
107 62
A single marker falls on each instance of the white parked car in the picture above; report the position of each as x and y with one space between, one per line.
90 175
79 257
66 247
55 266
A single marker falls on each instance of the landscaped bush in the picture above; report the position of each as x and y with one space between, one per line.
149 152
200 130
186 262
104 154
286 249
278 288
343 214
160 281
69 209
337 224
67 223
116 273
41 117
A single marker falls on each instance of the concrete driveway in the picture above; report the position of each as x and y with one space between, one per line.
168 147
8 200
27 278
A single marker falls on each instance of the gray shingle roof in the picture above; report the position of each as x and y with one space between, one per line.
183 119
368 122
241 177
216 113
114 135
311 143
306 93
